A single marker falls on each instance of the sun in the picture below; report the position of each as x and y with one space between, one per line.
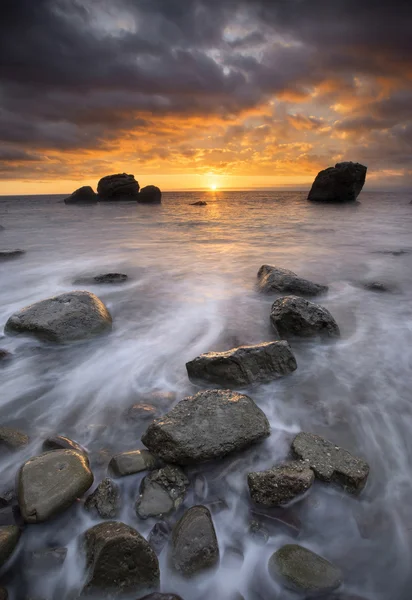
213 187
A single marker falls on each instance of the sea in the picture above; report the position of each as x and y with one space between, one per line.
191 289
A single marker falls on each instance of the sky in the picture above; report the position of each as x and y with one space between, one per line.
190 94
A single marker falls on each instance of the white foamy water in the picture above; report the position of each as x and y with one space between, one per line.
191 289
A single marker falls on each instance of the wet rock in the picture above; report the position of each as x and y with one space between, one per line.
244 365
139 413
275 279
120 560
330 462
48 484
9 538
194 542
209 425
61 442
105 500
117 187
161 492
13 439
10 254
49 558
64 318
377 286
135 461
150 194
159 535
106 278
294 316
199 203
281 484
83 195
341 183
5 355
304 571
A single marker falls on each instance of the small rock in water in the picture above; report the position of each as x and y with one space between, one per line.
10 254
199 203
294 316
109 278
134 461
330 462
159 536
141 412
245 365
9 538
281 484
48 484
161 492
150 194
47 559
304 571
377 286
194 542
61 442
5 355
105 500
13 439
275 279
341 183
209 425
120 560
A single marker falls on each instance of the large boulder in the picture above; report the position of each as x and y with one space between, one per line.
119 560
281 484
275 279
48 484
245 365
150 194
330 462
105 500
84 195
206 426
117 187
194 542
9 538
161 492
294 316
341 183
65 318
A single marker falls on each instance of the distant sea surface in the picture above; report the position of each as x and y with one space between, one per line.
192 289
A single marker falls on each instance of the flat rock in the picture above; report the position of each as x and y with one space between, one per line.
134 461
304 571
150 194
209 425
330 462
13 439
48 484
103 278
281 484
10 254
194 545
9 538
161 492
120 560
244 365
62 442
105 500
117 187
83 195
341 183
140 413
294 316
64 318
275 279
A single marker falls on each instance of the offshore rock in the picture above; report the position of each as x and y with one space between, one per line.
9 538
275 279
341 183
104 278
105 500
281 484
293 316
161 492
150 194
84 195
134 461
117 187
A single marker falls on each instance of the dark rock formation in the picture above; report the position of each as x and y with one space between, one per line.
9 538
13 439
84 195
275 279
206 426
134 461
105 500
64 318
107 278
330 462
150 194
293 316
61 442
245 365
341 183
161 492
118 187
11 254
281 484
199 203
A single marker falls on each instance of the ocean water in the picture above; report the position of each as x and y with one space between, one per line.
192 288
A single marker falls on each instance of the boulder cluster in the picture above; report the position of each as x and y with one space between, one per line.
120 186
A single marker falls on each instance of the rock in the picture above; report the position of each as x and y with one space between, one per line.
104 278
244 365
9 538
120 560
141 413
377 286
150 194
135 461
118 187
161 492
281 484
206 426
304 571
159 536
5 355
7 497
199 203
10 254
61 442
3 594
64 318
341 183
50 558
161 597
48 484
194 542
275 279
330 462
83 195
294 316
13 439
105 500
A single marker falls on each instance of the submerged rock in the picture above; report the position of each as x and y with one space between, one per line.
9 538
48 484
377 286
194 542
161 492
159 535
5 355
119 560
330 462
244 365
104 278
275 279
206 426
13 439
294 316
304 571
341 183
117 187
10 254
65 318
61 442
49 558
134 461
141 413
83 195
105 500
150 194
281 484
